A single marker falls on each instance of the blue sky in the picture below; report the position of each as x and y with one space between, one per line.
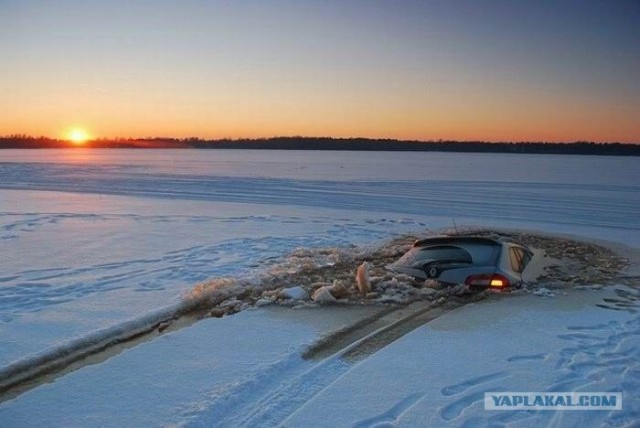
494 70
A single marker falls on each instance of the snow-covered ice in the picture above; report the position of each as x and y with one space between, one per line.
437 375
91 239
194 374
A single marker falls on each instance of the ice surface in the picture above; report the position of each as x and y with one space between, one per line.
335 166
195 373
74 263
90 239
437 375
246 370
87 230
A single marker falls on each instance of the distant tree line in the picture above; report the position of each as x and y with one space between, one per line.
327 143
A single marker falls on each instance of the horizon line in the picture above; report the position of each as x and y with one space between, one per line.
19 136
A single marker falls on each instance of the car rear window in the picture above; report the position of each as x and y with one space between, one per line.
483 255
447 253
478 253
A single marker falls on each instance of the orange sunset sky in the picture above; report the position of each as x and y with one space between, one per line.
465 70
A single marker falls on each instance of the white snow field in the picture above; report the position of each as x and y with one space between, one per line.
95 241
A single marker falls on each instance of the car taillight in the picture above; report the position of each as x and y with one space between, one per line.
493 281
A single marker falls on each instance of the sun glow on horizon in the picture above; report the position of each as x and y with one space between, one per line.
397 70
78 136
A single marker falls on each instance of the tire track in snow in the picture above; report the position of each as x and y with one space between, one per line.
272 398
276 406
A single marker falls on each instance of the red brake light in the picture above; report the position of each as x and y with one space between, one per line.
493 281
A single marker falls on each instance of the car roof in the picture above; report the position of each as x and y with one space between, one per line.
459 239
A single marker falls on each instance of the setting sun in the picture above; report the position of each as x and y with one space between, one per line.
78 136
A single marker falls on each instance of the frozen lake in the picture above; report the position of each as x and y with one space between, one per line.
91 238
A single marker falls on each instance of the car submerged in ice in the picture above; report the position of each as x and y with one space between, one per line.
476 261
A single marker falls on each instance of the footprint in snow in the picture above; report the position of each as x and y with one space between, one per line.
470 383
